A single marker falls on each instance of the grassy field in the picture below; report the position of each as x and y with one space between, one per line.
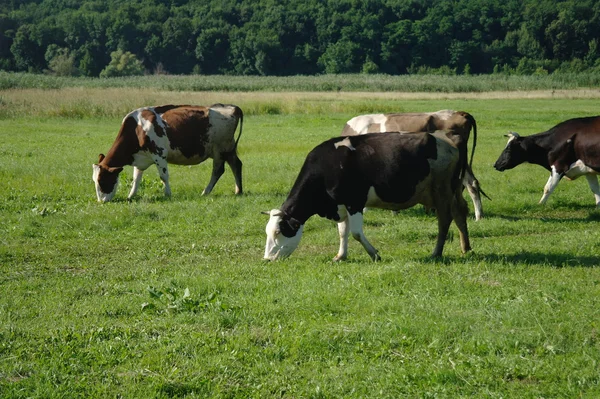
158 298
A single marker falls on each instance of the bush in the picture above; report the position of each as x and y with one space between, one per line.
63 64
122 64
369 67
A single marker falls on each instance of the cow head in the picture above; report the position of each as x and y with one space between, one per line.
106 180
514 153
283 235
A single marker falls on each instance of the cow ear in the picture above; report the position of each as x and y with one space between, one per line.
265 212
100 158
512 134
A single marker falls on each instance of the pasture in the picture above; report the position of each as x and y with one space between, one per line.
171 298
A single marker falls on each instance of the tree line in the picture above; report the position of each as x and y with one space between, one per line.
299 37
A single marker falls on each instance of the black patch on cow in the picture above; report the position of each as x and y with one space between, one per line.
107 179
151 146
289 226
161 109
391 163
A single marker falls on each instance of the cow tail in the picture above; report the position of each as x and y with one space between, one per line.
241 115
472 120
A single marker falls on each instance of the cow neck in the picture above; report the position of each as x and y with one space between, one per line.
125 145
303 200
537 148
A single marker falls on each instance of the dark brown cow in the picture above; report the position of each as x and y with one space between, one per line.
457 122
570 149
176 134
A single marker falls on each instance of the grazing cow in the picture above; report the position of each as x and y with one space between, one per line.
176 134
458 122
392 171
570 149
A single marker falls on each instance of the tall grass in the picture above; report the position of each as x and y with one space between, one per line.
79 102
333 83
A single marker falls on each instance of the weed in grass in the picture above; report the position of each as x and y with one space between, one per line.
172 299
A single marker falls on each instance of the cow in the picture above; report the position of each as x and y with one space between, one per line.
570 149
176 134
391 171
457 122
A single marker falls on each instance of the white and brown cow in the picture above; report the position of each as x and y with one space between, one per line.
176 134
456 122
392 171
570 149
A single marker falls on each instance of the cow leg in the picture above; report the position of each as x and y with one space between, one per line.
137 178
344 231
593 183
356 228
163 173
444 219
460 210
472 186
217 172
236 167
551 185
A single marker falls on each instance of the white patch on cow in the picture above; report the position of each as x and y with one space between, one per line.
345 143
511 136
551 184
279 246
147 126
444 114
578 169
593 183
343 231
360 124
374 201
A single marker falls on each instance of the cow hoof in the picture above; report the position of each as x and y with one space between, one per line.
339 258
376 257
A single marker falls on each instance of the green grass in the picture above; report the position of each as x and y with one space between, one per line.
170 297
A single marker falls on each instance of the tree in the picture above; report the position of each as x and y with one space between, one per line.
341 57
62 63
122 64
27 52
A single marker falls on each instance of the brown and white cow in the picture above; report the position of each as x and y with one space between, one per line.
176 134
343 175
457 122
570 149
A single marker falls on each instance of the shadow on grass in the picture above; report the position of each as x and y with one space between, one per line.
523 258
593 216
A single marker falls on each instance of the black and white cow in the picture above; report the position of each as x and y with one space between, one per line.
570 149
176 134
392 171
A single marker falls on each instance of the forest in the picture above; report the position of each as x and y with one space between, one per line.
299 37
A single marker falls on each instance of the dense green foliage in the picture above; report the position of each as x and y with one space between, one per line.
157 298
275 37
